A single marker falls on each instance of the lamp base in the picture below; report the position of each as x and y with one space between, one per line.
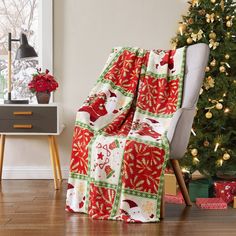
16 101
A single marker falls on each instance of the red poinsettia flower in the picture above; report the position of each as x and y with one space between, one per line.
43 82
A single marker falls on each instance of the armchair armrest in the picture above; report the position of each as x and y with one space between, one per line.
179 132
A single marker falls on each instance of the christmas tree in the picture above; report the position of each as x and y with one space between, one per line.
212 146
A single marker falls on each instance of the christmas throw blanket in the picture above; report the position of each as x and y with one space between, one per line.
120 148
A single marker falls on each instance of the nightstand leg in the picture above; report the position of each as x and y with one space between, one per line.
58 165
52 155
2 146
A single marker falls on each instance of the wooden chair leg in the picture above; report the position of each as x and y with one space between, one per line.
57 159
162 209
2 146
180 180
53 160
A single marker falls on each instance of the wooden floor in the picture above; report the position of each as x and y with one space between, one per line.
32 207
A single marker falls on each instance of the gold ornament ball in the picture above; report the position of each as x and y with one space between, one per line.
213 63
207 69
213 1
189 40
222 69
227 17
212 35
219 106
206 143
194 152
229 23
208 115
227 56
226 156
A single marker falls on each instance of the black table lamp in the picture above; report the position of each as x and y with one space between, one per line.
24 51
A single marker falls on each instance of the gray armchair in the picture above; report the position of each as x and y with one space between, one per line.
181 124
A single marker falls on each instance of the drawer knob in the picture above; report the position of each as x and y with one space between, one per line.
22 113
27 126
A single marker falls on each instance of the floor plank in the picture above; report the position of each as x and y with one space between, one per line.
32 207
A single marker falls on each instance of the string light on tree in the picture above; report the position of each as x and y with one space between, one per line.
218 141
182 28
216 146
226 110
229 23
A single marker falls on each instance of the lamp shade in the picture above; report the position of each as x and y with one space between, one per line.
25 50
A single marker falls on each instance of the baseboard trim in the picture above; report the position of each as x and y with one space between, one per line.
31 172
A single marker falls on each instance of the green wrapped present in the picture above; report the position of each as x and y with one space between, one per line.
201 188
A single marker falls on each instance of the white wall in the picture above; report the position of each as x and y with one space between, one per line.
84 33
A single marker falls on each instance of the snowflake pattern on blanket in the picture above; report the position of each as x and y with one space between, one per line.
120 148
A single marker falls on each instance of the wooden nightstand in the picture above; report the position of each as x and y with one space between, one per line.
33 119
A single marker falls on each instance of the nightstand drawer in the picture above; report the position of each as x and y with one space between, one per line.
28 119
27 112
28 126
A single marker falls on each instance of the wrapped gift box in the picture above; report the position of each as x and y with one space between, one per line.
225 190
211 203
201 188
178 199
171 187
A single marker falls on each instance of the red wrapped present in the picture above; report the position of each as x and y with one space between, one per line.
178 199
225 190
211 203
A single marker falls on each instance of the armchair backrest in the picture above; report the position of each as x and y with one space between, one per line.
179 132
196 61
